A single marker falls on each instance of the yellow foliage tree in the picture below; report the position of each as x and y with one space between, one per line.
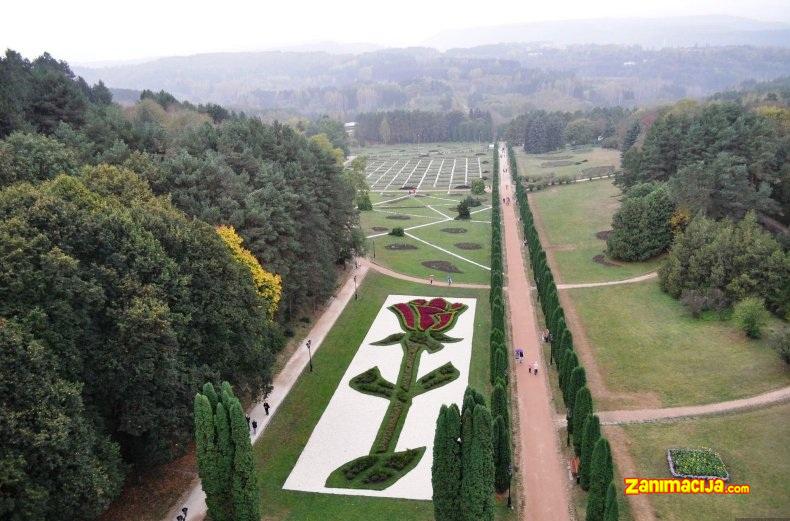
269 285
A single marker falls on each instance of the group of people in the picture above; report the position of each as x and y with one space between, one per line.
449 280
533 367
253 424
506 200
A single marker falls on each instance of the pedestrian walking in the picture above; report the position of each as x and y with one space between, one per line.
254 426
535 368
248 422
430 280
266 408
449 280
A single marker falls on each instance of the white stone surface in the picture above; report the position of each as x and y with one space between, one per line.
350 422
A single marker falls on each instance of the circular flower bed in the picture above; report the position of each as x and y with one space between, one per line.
397 246
380 229
468 245
454 230
398 217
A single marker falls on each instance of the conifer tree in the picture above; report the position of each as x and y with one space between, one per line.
499 403
206 452
502 456
244 487
577 380
446 469
582 407
612 509
592 432
477 480
600 476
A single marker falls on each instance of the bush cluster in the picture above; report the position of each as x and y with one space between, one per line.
588 443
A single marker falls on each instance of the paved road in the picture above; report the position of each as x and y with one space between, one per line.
544 475
195 499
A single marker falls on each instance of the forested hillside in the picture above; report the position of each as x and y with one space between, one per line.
118 297
501 79
416 126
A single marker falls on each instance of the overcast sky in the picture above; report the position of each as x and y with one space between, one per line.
83 31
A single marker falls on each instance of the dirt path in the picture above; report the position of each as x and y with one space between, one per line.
397 275
194 499
543 473
640 278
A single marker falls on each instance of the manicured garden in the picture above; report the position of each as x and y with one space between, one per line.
753 447
285 437
568 164
647 342
574 221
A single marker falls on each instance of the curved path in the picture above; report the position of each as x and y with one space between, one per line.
669 414
419 280
539 461
640 278
195 499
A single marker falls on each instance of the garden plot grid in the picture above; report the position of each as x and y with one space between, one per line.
349 425
426 172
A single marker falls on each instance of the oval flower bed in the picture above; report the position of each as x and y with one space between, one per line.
700 463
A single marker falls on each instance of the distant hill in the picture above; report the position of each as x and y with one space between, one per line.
648 32
505 79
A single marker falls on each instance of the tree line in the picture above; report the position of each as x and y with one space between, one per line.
416 126
144 251
710 183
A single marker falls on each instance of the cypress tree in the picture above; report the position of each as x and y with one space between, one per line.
211 394
224 457
206 452
568 362
582 407
477 480
244 486
612 510
577 380
592 432
446 469
500 366
600 477
499 402
502 459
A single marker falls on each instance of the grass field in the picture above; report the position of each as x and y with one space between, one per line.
428 167
645 341
569 163
753 446
284 438
571 216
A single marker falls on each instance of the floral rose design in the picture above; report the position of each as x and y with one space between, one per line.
435 315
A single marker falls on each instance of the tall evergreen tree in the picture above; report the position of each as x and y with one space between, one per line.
601 473
578 379
244 488
206 452
502 456
477 480
581 408
592 432
446 469
499 402
612 509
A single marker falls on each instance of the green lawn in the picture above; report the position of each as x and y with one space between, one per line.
645 341
551 165
753 446
284 438
572 215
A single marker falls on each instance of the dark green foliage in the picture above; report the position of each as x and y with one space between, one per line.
55 463
581 408
224 456
499 402
463 209
499 371
371 382
397 232
577 380
33 157
601 473
478 186
592 432
738 259
446 469
640 227
502 456
751 316
611 510
439 376
477 480
418 126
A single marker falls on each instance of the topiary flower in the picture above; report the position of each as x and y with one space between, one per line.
422 318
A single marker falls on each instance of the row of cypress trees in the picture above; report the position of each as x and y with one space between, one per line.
592 448
498 347
224 456
463 461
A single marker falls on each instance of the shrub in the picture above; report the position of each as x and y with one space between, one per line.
780 341
697 463
751 316
354 468
363 202
401 460
397 232
478 187
463 210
